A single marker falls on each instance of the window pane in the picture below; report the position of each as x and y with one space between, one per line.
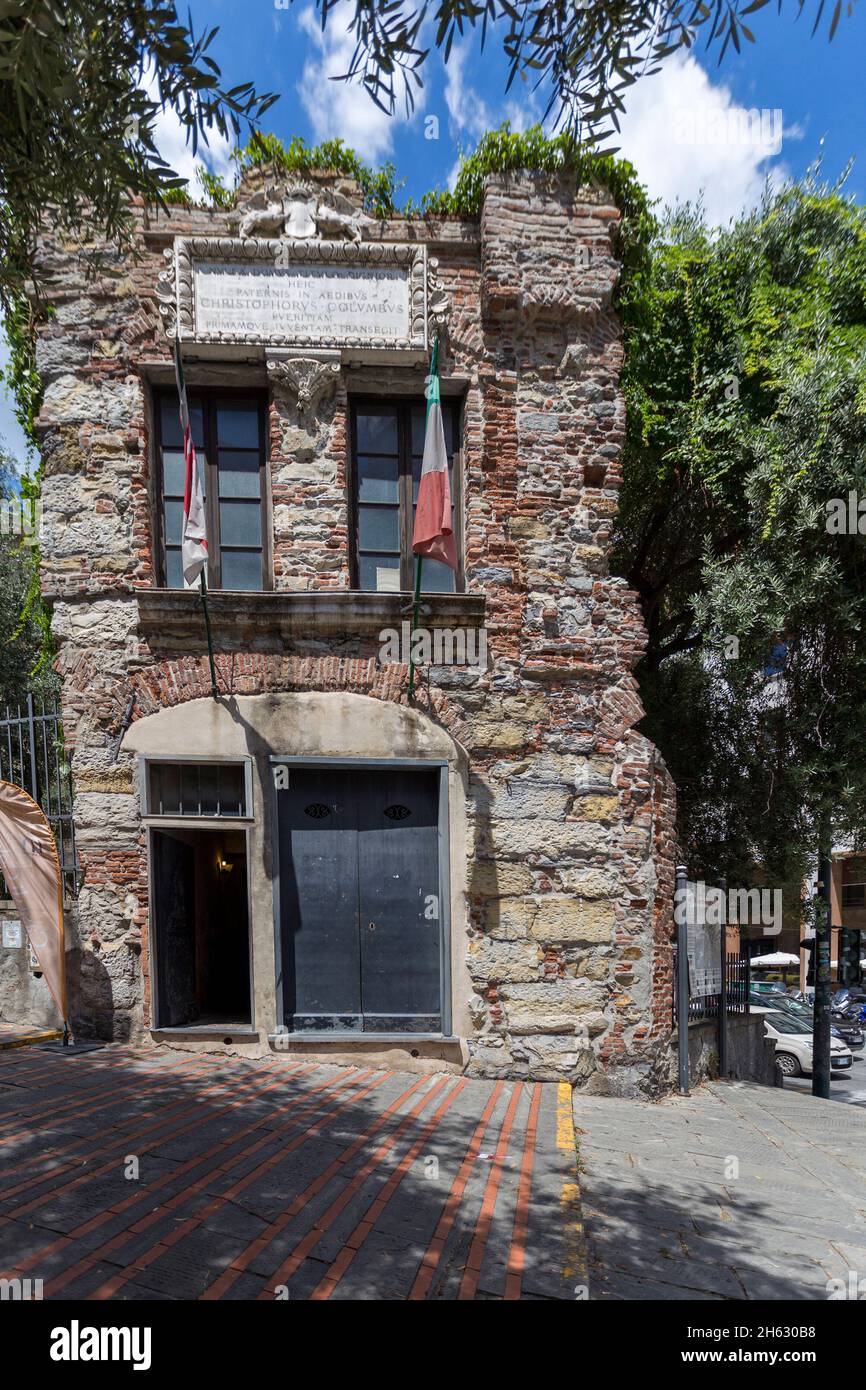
232 795
419 426
378 528
172 437
436 578
240 523
377 432
173 472
173 568
189 788
173 523
380 572
239 474
193 789
165 789
207 793
377 479
237 427
241 569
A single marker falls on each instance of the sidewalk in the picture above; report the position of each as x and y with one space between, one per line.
128 1174
735 1192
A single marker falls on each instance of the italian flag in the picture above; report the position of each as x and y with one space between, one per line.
433 535
194 537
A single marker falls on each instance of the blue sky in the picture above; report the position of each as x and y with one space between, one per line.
681 128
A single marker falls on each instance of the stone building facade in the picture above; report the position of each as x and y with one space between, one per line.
550 833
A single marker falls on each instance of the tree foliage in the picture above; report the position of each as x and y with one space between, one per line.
587 53
82 84
745 383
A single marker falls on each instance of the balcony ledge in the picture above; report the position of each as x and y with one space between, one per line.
172 614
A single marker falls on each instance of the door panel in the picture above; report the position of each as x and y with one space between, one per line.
359 900
319 901
174 918
398 891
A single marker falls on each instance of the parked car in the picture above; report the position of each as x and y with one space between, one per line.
767 986
846 1030
793 1041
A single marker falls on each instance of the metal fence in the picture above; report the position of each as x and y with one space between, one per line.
735 992
32 757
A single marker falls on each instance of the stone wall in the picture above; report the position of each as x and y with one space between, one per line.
751 1054
566 915
24 995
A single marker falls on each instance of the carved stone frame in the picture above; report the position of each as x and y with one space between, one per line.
176 288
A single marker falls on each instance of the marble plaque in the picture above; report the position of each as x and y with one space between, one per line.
299 303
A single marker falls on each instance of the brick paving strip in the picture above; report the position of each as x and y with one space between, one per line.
191 1223
211 1113
357 1225
424 1277
469 1283
240 1263
115 1244
79 1108
517 1257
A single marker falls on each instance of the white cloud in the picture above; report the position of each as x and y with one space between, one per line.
469 113
170 140
343 109
686 136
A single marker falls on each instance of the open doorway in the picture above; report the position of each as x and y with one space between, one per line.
200 920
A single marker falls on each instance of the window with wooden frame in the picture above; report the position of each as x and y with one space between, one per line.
387 440
229 433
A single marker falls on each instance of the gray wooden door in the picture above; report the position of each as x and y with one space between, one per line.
174 923
359 900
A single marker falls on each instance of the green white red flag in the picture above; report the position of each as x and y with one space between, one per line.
433 536
194 536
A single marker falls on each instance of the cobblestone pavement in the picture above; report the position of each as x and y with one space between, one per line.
736 1192
133 1175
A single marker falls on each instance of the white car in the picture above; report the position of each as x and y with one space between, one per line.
793 1041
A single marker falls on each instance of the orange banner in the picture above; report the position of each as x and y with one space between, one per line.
31 868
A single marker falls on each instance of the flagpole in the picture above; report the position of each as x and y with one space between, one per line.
213 680
414 624
434 363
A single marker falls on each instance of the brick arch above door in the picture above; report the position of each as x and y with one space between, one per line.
176 682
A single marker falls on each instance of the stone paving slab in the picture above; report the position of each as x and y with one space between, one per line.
735 1192
274 1179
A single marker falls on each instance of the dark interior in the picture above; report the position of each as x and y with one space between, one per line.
201 928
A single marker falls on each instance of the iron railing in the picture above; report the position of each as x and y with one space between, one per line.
32 757
737 983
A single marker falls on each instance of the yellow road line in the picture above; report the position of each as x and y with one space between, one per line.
574 1270
30 1039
